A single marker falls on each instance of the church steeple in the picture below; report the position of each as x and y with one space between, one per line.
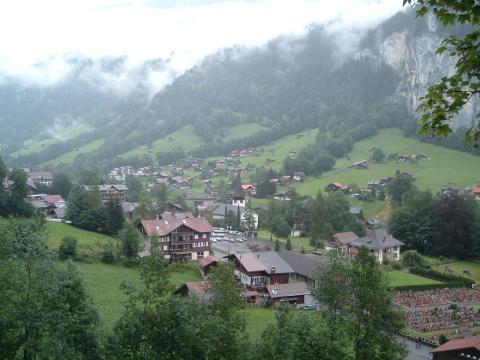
238 193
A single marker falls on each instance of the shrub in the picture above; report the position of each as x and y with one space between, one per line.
68 248
412 258
108 254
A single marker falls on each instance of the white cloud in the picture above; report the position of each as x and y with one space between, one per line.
33 31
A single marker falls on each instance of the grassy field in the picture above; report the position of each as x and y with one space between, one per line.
244 130
400 278
86 240
40 143
257 320
185 138
70 156
445 167
103 283
458 266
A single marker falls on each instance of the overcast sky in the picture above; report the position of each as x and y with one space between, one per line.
33 31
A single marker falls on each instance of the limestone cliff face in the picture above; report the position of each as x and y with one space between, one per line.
414 59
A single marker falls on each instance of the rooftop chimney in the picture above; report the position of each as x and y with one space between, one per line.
384 238
273 269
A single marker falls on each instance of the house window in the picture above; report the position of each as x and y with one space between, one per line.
165 247
196 237
204 236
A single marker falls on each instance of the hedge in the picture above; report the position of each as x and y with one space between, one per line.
422 287
437 275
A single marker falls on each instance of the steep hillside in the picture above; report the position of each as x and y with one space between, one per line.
234 98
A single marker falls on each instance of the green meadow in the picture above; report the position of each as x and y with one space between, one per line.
444 167
70 156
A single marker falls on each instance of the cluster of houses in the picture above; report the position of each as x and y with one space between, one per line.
120 173
242 152
410 158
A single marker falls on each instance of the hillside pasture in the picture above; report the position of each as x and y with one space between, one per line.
457 267
70 156
103 284
445 167
87 241
40 143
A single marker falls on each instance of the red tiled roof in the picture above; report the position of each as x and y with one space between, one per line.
163 227
459 344
476 190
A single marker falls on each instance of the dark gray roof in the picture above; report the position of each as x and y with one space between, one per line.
302 264
377 240
129 207
119 187
263 261
220 209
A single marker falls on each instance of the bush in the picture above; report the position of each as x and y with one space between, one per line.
413 259
108 254
68 248
396 265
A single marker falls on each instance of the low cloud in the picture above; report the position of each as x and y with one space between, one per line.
38 37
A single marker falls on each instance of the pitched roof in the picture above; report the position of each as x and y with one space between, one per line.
302 264
345 238
165 227
341 186
285 290
376 240
119 187
52 199
355 210
40 175
171 215
237 188
459 344
268 261
201 289
208 260
220 209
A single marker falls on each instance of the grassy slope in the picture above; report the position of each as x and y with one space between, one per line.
103 283
70 156
244 130
86 240
36 145
446 167
185 138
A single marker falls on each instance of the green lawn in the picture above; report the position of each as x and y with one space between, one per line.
257 320
103 283
400 278
445 167
70 156
86 240
458 266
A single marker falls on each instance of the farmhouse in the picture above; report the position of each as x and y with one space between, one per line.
180 238
336 186
294 293
342 240
47 204
258 269
381 244
41 177
304 267
468 348
299 176
200 289
109 192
